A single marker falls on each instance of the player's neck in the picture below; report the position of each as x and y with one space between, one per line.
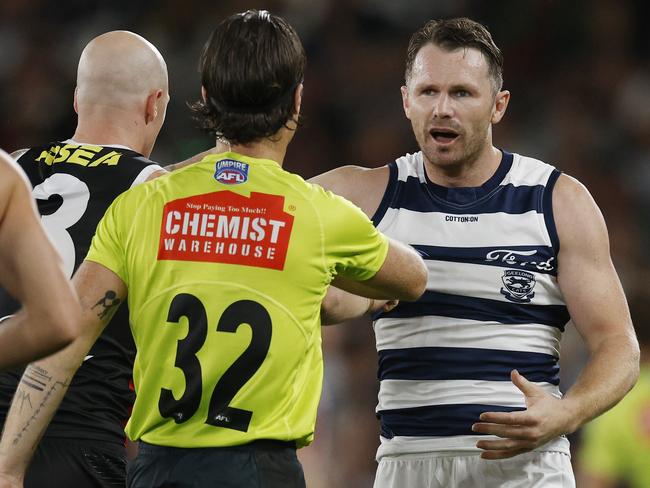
472 173
92 130
275 150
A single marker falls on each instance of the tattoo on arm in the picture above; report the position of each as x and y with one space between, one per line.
24 397
35 377
108 303
39 379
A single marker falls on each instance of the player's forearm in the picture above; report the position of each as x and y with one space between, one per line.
50 315
23 338
39 393
194 159
363 289
612 370
339 306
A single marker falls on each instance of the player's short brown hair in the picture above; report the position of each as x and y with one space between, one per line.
453 34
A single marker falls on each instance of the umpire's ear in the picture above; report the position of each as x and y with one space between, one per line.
297 99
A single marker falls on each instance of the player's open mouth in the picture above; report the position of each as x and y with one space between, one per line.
443 136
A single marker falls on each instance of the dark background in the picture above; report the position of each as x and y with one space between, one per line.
579 74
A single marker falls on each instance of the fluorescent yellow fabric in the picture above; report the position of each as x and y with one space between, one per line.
208 250
616 445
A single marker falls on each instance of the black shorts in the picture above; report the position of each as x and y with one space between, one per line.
67 463
260 464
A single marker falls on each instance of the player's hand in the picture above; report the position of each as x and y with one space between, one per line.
381 306
544 419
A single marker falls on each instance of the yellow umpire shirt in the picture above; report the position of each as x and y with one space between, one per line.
226 263
616 446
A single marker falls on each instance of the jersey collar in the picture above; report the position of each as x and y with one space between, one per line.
238 157
118 146
465 195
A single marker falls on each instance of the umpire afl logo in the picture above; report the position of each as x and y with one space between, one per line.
518 285
231 172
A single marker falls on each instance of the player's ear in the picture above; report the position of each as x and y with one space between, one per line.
151 107
500 105
405 100
74 102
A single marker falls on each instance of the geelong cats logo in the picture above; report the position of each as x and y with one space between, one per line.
518 285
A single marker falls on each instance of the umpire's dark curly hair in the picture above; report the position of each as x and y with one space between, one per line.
250 68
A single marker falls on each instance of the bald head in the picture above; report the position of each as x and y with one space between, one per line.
118 69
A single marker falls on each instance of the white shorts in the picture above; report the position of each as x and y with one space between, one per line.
548 469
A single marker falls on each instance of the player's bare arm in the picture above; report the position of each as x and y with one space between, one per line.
599 311
364 187
187 162
31 271
45 382
182 164
194 159
339 306
156 174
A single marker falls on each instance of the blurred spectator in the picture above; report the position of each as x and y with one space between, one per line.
616 447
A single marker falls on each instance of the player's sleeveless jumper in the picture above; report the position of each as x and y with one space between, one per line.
492 304
73 185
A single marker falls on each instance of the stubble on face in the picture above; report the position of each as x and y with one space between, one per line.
472 142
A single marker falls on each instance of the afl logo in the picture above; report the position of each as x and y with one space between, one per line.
518 285
231 172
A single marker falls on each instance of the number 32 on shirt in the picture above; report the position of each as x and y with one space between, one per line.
220 413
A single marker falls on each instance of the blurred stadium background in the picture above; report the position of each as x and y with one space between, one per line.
579 73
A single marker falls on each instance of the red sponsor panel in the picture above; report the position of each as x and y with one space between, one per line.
225 227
